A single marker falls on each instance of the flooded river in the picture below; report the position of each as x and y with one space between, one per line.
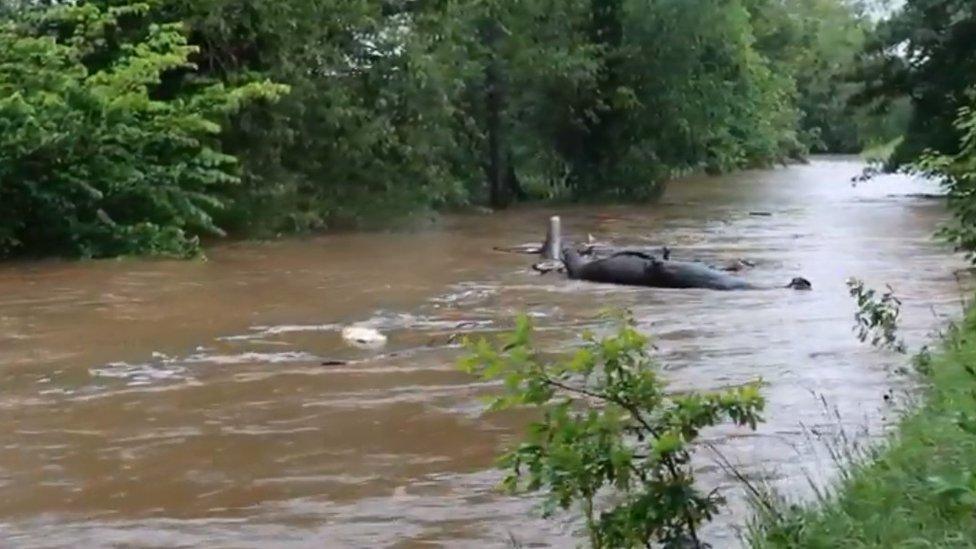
164 403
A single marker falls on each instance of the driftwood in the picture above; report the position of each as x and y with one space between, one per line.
551 250
925 196
549 266
531 249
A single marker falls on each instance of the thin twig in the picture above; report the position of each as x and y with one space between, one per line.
756 493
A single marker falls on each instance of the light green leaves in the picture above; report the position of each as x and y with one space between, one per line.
97 160
610 439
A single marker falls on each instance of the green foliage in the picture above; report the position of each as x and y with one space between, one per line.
704 97
91 163
957 492
922 361
610 439
395 108
373 125
876 317
390 106
923 53
819 42
957 171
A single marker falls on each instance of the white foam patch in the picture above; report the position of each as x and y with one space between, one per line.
387 321
165 368
466 294
259 332
252 358
141 374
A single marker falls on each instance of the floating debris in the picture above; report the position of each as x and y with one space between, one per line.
925 196
363 337
738 265
531 248
549 266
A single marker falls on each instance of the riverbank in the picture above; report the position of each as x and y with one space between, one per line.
920 489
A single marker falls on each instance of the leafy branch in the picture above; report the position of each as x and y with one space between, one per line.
876 319
610 439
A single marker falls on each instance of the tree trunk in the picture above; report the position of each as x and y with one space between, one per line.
599 141
497 169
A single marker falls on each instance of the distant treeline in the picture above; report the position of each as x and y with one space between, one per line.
131 127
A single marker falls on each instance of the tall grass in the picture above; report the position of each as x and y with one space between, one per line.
916 490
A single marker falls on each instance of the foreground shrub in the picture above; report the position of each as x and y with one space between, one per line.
610 440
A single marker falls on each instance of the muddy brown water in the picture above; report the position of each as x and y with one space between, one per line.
158 403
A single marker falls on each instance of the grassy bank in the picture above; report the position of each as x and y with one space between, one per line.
919 490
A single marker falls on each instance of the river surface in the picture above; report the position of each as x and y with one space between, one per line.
205 403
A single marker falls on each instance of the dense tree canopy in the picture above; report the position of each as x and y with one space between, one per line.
958 173
925 53
392 107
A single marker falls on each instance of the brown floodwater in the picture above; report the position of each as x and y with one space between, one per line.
166 403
